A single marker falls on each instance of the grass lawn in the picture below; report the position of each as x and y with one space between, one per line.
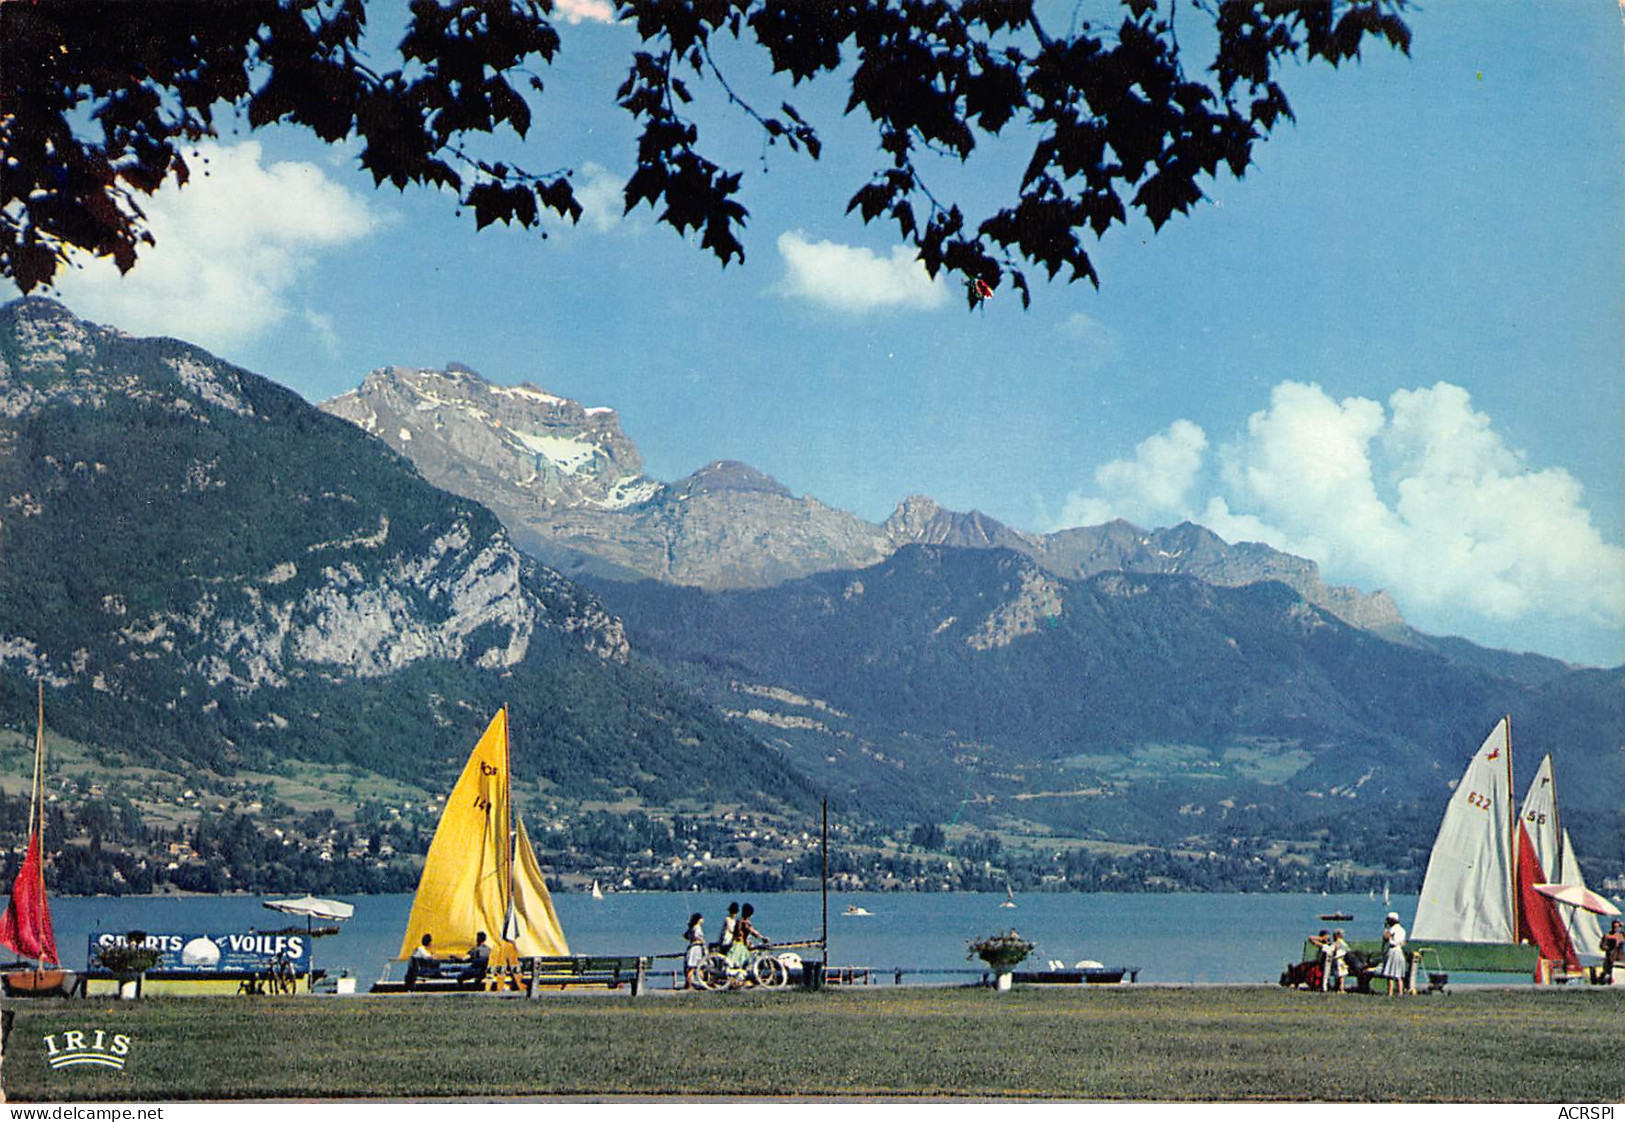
1135 1043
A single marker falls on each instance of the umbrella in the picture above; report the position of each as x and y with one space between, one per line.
313 908
1579 897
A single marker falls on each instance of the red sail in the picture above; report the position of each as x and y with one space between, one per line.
1540 922
26 926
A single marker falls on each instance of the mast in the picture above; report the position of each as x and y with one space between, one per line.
1557 827
36 806
825 883
38 823
36 817
1512 837
507 806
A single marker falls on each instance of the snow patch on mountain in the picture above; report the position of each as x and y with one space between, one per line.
567 453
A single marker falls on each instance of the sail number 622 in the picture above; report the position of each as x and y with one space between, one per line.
1482 802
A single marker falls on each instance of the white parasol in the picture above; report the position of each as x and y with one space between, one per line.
312 907
1578 897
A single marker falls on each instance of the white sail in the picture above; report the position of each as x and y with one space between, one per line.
1555 853
1467 893
1584 927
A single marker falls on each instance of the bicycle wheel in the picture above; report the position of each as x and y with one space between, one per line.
769 972
712 973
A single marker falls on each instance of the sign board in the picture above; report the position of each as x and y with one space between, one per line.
232 952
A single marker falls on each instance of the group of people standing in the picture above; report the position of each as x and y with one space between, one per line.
1334 950
738 930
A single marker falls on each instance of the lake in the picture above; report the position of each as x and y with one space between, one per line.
1175 937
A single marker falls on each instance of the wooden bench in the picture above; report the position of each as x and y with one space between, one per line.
565 971
497 979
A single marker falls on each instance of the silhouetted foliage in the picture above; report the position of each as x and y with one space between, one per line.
1118 116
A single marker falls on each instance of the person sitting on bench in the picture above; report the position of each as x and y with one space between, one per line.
479 957
423 963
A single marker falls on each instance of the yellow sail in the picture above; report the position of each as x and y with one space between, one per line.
534 926
464 887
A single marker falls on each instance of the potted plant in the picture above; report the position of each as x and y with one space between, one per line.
1003 953
128 961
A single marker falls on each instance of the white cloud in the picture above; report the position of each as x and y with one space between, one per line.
1304 466
1151 489
233 246
601 194
1092 345
1423 498
576 11
324 327
854 279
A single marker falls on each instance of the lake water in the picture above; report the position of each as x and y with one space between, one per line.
1181 937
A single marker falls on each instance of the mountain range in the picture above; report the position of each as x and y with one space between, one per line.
570 486
208 573
944 676
1104 681
212 576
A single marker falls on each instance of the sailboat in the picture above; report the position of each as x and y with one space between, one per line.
1555 854
1009 897
26 925
597 893
481 874
1479 909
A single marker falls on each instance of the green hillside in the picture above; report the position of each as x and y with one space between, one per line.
967 684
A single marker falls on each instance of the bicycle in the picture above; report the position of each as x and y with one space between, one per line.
768 966
279 976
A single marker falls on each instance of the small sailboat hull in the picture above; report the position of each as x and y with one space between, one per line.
1088 975
38 983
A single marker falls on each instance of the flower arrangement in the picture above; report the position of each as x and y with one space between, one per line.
128 961
1002 952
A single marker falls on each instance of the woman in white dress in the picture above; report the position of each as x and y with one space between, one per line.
1393 959
695 953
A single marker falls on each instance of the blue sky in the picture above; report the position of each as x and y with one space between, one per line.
1396 346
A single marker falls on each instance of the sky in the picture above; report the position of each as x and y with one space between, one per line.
1396 347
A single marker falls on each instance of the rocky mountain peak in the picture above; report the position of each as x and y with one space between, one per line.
919 519
730 475
514 448
41 308
909 521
